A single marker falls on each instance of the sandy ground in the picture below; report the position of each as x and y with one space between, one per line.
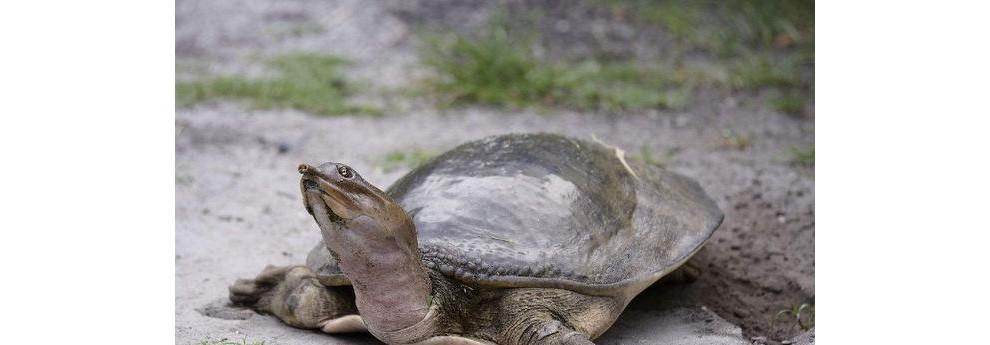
238 209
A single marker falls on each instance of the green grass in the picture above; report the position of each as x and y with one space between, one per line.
789 103
621 86
803 156
802 316
678 19
760 71
411 159
763 44
308 82
763 24
726 27
226 341
496 67
751 45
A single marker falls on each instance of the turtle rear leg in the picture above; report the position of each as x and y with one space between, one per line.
295 295
549 331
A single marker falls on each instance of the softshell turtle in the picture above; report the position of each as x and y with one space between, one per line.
513 240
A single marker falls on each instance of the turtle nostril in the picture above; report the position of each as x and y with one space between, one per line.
303 168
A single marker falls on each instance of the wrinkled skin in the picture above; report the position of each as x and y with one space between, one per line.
466 284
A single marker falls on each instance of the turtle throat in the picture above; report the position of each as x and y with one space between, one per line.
380 256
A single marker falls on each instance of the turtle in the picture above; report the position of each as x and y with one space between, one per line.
518 239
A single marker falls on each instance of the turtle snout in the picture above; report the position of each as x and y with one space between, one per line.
306 169
310 174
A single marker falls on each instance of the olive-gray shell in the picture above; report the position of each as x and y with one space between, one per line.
542 210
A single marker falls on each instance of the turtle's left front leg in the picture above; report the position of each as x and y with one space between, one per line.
296 295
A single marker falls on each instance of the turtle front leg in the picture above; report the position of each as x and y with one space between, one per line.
295 295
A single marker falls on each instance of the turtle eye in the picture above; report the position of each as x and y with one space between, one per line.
345 171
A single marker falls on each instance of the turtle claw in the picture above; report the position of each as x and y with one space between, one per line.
256 293
245 292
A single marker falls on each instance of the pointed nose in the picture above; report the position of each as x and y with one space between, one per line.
307 169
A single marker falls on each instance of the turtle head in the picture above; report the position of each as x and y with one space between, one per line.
340 200
373 241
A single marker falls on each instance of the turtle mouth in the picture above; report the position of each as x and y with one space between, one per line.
322 199
316 205
318 208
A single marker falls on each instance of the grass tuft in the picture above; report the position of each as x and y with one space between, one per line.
802 316
756 45
789 103
308 82
496 68
490 68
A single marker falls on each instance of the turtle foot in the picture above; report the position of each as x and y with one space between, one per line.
257 293
295 295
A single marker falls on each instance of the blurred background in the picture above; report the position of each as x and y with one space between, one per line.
721 91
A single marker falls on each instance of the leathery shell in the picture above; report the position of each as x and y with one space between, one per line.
543 210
